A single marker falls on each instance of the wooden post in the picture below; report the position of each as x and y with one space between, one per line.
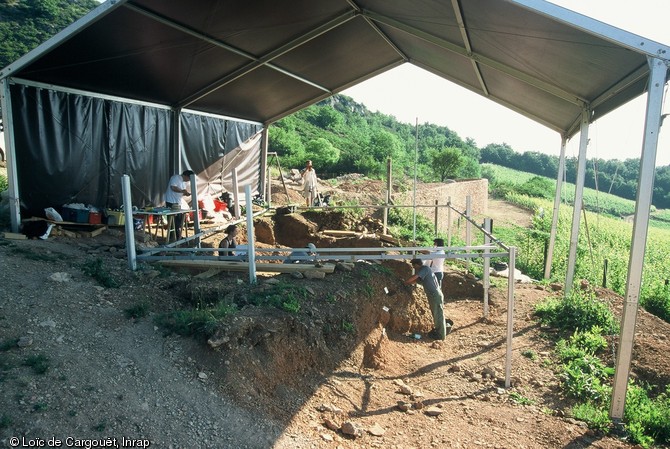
436 209
468 227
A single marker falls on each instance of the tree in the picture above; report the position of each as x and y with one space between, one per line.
287 144
446 163
26 24
323 153
499 154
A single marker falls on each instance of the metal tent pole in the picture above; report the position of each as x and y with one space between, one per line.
416 162
264 163
510 315
645 187
557 203
130 231
579 195
250 235
12 173
487 265
389 184
236 195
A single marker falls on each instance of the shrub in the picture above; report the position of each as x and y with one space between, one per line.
538 187
96 270
137 311
658 303
39 363
402 222
648 420
202 322
283 296
583 372
597 417
578 311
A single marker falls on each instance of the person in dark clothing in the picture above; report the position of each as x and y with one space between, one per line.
229 242
425 276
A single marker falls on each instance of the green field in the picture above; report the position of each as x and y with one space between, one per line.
604 239
596 201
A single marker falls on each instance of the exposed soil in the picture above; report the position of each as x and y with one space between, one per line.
340 373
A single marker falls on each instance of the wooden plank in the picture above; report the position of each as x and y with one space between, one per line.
389 239
66 233
15 236
244 266
93 233
335 233
209 273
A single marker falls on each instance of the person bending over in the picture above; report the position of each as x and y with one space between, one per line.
424 275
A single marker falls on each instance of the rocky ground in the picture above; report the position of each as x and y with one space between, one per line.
90 362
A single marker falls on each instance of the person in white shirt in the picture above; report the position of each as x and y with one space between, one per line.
437 264
309 184
175 192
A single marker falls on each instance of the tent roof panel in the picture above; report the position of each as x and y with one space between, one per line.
341 56
260 93
259 60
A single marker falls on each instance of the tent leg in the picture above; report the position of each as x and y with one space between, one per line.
645 187
579 194
12 175
554 217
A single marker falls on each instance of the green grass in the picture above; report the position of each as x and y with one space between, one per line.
586 379
10 343
95 269
579 311
602 241
5 421
519 399
284 296
529 353
137 311
29 253
401 224
195 322
39 363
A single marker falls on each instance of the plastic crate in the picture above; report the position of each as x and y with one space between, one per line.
95 218
115 218
75 215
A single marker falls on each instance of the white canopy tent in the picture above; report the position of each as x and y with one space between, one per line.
259 61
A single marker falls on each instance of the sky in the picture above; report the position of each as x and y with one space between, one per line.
420 95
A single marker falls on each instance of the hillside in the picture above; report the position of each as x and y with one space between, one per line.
76 365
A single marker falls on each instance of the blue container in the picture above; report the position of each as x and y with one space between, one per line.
75 215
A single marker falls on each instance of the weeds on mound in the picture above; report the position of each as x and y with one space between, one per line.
97 271
584 322
196 322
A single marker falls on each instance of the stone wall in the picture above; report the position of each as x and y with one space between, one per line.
456 191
